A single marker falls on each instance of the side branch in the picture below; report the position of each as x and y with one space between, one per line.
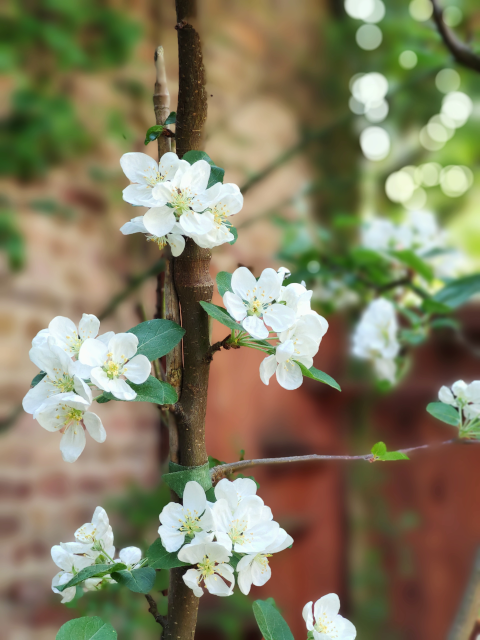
153 609
226 343
222 471
462 54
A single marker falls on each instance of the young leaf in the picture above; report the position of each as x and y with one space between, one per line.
156 338
379 449
234 232
153 133
138 580
152 390
86 629
395 455
216 173
318 375
444 412
172 118
220 314
38 378
380 452
160 558
270 622
414 262
102 398
457 292
95 571
224 282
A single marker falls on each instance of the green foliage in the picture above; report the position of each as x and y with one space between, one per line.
172 118
220 314
444 412
270 621
139 580
156 338
459 291
234 232
411 259
319 376
38 378
11 240
95 571
86 629
153 133
216 173
380 452
160 558
224 282
152 390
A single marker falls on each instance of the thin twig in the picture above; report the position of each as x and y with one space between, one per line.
221 471
153 609
222 344
462 54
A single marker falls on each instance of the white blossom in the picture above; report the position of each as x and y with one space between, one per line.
247 529
463 396
70 564
383 235
130 556
97 535
66 335
179 522
182 200
212 568
325 622
145 173
235 491
375 338
228 202
296 297
174 239
254 567
63 375
253 302
110 362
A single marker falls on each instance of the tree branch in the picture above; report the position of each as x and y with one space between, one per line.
161 100
462 54
153 609
469 607
221 471
222 344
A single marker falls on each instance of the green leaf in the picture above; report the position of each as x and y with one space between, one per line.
172 118
318 375
270 622
457 292
234 232
224 282
412 336
411 259
38 378
379 449
220 314
380 452
216 173
153 133
395 455
152 390
86 629
138 580
156 338
445 323
444 412
160 558
102 398
95 571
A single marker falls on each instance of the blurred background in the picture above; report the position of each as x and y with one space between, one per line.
328 115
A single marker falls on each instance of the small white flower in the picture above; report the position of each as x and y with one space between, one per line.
130 556
183 200
70 565
466 397
253 303
283 274
146 174
211 559
325 622
296 297
175 239
235 491
383 235
254 567
67 336
98 536
63 375
228 202
247 529
179 521
375 337
111 362
68 413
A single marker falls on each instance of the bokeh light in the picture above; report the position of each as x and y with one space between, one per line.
369 37
420 10
455 180
408 59
428 174
359 9
399 186
457 106
452 16
377 14
375 143
447 80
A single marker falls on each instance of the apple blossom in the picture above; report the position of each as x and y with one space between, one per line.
146 173
130 556
179 522
375 338
63 375
68 413
97 535
235 491
175 240
325 622
211 560
253 302
254 568
110 362
67 336
466 397
70 564
228 202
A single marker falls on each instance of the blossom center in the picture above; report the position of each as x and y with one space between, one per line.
64 384
113 370
153 179
73 415
160 241
255 308
262 560
324 625
180 202
206 567
236 532
74 342
189 525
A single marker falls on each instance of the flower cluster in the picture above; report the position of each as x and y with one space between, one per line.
324 622
375 338
236 529
466 400
73 361
180 204
93 545
266 302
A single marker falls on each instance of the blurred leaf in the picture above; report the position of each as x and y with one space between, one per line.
270 621
12 241
137 580
153 133
234 232
172 118
456 293
444 412
95 571
86 629
411 259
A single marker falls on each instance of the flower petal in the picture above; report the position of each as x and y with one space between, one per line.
269 285
217 587
63 330
289 375
134 226
177 243
94 426
168 165
159 220
121 390
308 615
88 326
191 579
284 351
255 327
261 572
279 317
243 283
194 498
137 369
139 167
196 223
123 346
93 353
140 195
267 368
73 442
445 395
328 605
36 396
100 379
130 555
196 177
193 553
